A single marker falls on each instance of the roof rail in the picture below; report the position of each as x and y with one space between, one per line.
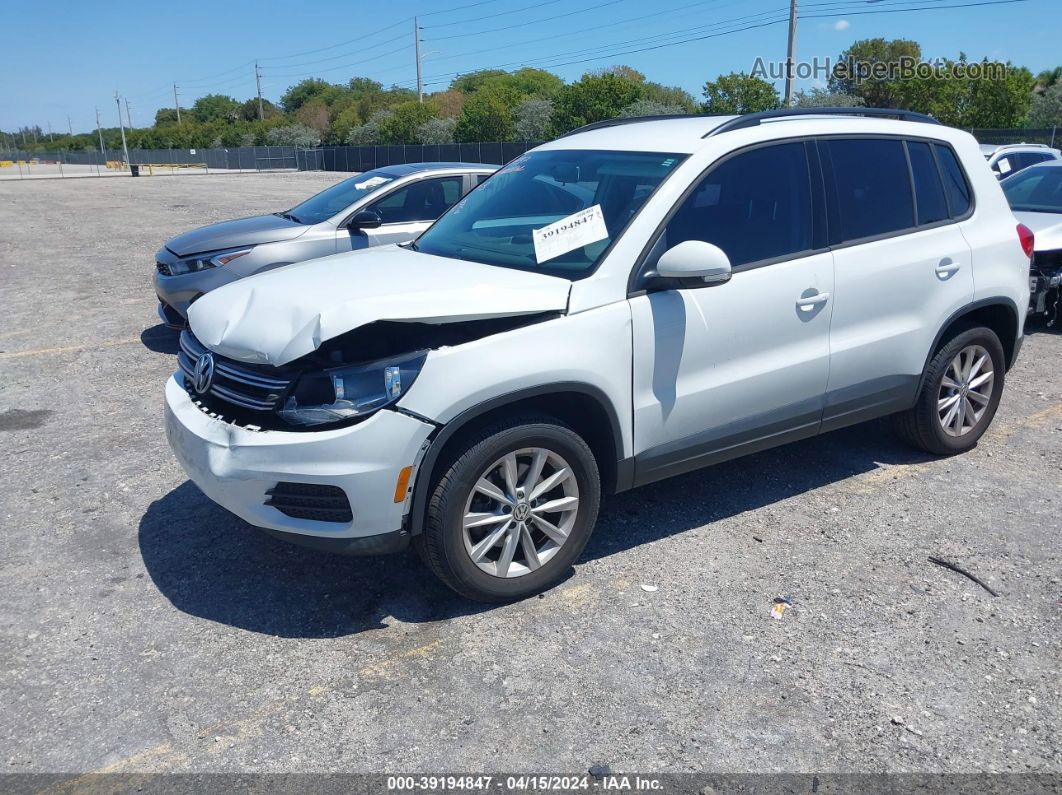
754 119
598 125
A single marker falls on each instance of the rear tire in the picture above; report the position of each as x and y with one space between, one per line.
960 393
512 510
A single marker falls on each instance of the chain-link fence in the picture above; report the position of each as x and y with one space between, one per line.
1019 135
150 162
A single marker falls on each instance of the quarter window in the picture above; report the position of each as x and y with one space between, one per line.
754 206
954 181
929 191
873 188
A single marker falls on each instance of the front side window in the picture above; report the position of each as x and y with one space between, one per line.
584 197
929 190
334 200
424 200
754 206
1036 190
873 187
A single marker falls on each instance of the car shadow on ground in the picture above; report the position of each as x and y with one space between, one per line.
161 339
211 564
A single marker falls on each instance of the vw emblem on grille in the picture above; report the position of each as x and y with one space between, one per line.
203 375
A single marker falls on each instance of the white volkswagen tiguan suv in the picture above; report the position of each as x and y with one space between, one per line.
632 301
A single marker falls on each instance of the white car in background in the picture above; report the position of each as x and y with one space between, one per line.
1035 196
1008 159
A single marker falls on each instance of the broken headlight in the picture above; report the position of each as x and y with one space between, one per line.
344 393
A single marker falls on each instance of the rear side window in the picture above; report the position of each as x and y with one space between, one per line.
755 206
954 182
873 188
929 190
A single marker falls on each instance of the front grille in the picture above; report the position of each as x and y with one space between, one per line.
234 382
311 501
163 268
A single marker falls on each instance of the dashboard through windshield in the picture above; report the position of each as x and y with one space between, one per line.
553 211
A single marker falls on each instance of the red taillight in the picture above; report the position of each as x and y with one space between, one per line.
1027 239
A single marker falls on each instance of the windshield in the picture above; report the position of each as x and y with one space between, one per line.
334 200
1035 190
553 212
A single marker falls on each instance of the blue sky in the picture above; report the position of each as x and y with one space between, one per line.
65 59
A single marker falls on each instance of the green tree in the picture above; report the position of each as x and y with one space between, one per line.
824 98
164 116
302 92
215 107
999 97
400 125
471 82
293 135
738 92
1048 79
533 120
486 116
1046 110
853 72
436 131
593 98
249 109
650 107
669 95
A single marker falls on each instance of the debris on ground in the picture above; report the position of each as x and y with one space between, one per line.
779 605
648 588
961 571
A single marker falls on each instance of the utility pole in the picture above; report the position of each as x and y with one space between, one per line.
416 43
176 103
69 125
50 132
103 149
258 82
128 115
118 102
791 54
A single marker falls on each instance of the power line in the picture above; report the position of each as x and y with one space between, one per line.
528 22
316 72
492 16
756 25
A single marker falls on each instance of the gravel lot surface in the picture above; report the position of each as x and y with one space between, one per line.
142 628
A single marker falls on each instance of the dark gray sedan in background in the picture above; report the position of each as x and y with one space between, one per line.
387 205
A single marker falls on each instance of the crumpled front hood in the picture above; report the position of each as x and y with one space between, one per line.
278 316
232 234
1047 227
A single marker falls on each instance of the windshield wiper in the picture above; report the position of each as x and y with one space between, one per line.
289 216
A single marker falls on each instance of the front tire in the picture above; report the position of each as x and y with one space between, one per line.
960 393
512 511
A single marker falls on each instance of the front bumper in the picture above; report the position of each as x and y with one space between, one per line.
178 292
236 467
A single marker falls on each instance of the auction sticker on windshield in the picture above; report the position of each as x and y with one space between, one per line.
371 182
577 230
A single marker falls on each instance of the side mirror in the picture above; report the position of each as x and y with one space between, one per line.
365 219
696 260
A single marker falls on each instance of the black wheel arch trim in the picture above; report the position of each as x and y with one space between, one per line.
999 300
421 490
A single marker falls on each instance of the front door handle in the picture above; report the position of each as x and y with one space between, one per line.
812 301
946 267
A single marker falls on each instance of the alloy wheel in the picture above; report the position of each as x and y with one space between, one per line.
520 512
965 391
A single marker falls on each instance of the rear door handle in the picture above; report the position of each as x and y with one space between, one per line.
812 301
947 267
